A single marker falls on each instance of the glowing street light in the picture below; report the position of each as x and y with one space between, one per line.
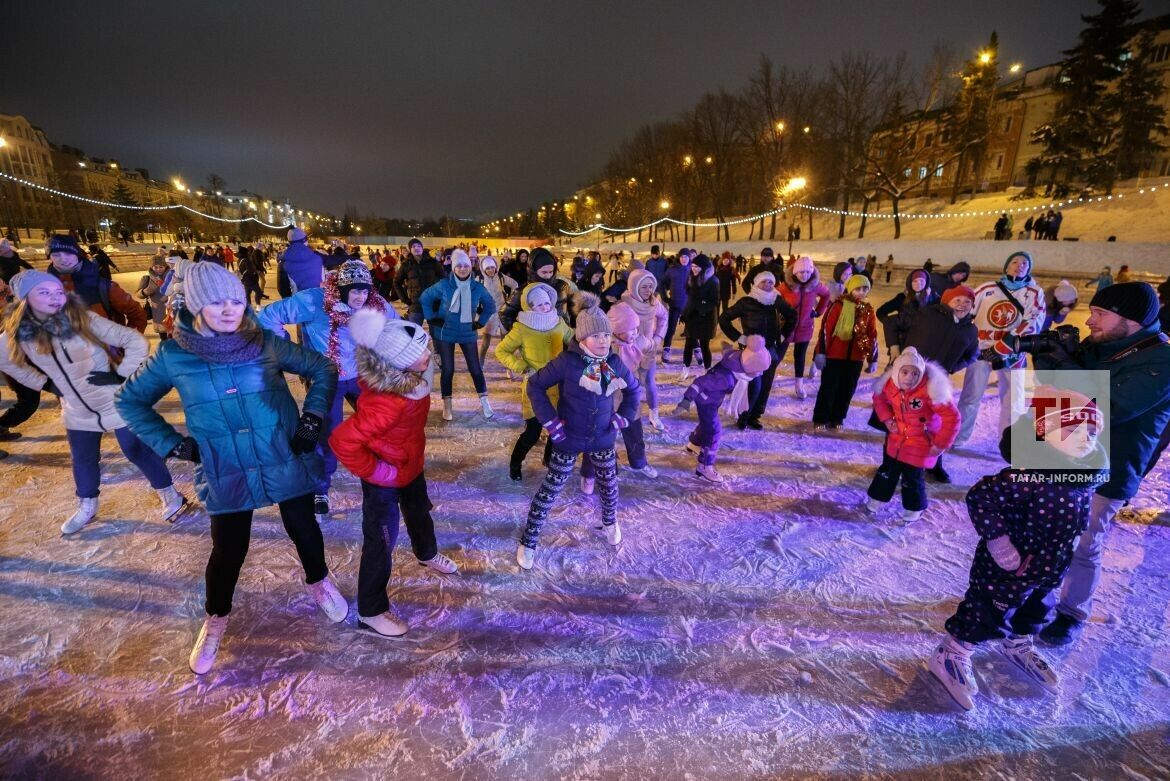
114 166
82 164
688 160
3 142
1016 67
664 205
807 130
708 160
797 183
597 216
779 127
984 57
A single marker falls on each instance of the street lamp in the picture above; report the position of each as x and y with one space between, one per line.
1016 67
708 160
984 57
807 130
688 160
664 205
779 127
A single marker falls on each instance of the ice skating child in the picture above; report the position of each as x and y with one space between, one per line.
848 341
642 296
501 289
916 404
585 420
251 446
457 306
52 342
735 369
1028 523
538 336
634 350
383 443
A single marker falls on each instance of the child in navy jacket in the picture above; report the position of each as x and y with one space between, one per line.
1028 522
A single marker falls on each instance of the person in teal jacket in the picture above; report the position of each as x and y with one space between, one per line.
323 313
250 446
456 307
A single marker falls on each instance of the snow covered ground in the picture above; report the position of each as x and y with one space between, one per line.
761 629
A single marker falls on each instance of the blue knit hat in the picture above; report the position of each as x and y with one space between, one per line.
23 283
62 243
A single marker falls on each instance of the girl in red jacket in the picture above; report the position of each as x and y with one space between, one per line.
916 403
847 342
383 443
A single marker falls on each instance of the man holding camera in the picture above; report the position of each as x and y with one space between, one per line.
1124 339
1010 307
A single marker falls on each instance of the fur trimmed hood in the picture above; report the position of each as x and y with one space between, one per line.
938 383
380 376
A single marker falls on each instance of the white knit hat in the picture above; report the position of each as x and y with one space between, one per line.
207 283
459 258
909 357
398 342
1065 293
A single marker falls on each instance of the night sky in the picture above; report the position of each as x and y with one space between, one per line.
462 108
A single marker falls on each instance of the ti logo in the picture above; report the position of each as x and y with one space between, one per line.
1002 315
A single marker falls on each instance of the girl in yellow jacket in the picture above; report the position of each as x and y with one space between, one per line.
538 336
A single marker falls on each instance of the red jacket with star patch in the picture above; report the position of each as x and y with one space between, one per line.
924 417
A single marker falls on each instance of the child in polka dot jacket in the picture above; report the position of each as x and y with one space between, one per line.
1028 522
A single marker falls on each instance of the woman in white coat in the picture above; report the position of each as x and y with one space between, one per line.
52 342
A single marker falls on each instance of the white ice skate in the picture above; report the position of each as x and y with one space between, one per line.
329 599
440 563
613 533
448 413
655 421
685 374
707 472
207 644
86 510
525 556
951 665
692 448
385 625
1020 652
873 506
486 407
173 503
911 515
799 390
646 471
587 484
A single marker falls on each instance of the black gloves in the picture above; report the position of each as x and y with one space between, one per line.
186 450
50 387
108 377
307 434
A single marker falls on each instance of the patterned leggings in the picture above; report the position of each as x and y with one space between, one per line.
560 469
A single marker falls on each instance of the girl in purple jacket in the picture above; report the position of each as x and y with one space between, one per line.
585 420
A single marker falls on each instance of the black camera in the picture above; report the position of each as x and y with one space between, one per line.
1064 338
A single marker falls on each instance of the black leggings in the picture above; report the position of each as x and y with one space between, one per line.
27 402
447 360
230 533
527 439
689 346
799 353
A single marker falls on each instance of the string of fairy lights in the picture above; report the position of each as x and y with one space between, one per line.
113 205
1061 204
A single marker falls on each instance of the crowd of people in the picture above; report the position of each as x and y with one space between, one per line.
588 346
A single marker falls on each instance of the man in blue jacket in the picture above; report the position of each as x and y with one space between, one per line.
674 290
304 266
1124 338
656 264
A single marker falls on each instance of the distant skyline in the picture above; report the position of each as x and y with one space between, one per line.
408 110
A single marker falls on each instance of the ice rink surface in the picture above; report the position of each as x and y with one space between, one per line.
765 628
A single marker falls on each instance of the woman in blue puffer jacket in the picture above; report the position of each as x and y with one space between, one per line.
456 307
251 447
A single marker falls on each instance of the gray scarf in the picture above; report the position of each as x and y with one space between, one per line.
461 300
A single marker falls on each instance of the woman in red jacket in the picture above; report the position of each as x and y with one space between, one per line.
916 403
847 342
383 443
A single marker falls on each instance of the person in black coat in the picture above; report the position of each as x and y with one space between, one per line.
415 274
956 275
762 311
699 314
541 268
944 333
11 263
917 295
768 263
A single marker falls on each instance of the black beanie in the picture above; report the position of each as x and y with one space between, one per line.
701 261
1134 301
541 258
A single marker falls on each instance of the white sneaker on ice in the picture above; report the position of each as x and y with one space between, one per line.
440 563
386 624
873 505
86 510
486 407
707 472
1020 652
655 420
207 644
685 374
448 413
951 665
646 471
911 515
329 599
613 533
525 556
587 485
173 503
799 390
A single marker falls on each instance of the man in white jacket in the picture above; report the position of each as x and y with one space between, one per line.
1012 305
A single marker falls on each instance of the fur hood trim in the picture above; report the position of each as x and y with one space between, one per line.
381 376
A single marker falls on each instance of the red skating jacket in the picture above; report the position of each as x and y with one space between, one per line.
864 344
389 426
926 416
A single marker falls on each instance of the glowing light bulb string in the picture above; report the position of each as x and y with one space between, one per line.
112 205
1068 203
